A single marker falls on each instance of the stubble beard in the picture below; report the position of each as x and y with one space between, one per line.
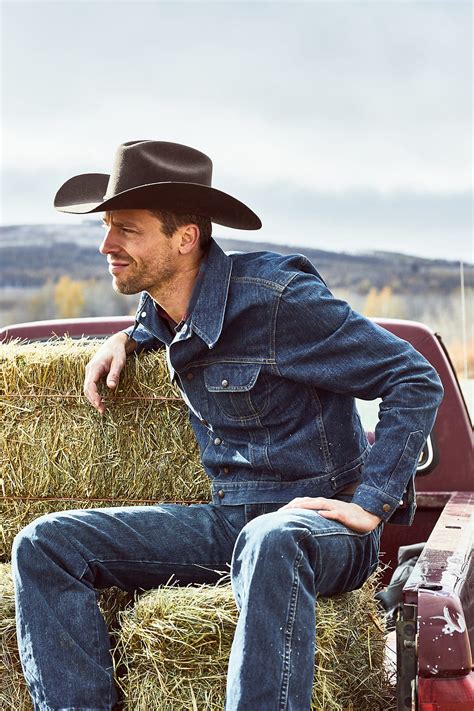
137 284
125 288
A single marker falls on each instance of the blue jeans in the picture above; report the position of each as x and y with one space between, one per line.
280 561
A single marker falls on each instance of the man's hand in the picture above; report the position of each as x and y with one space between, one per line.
351 515
107 362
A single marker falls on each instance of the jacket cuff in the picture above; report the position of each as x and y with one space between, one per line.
144 340
376 501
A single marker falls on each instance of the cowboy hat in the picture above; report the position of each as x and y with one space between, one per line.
153 175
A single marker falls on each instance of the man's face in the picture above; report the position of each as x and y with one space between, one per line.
140 256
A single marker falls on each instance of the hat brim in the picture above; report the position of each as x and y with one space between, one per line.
84 194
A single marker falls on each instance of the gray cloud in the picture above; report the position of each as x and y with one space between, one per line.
361 110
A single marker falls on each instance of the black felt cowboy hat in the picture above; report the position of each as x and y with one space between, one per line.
154 174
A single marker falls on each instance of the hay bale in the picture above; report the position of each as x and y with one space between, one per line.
174 646
171 649
13 692
56 448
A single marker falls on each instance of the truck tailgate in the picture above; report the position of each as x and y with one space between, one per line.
435 634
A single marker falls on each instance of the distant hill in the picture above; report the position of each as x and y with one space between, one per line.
30 255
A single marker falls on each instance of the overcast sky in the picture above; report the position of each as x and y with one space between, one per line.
344 125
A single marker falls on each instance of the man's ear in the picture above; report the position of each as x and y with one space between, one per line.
189 238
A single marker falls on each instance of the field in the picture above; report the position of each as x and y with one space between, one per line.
52 271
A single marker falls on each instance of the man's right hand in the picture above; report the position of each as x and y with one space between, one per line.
107 362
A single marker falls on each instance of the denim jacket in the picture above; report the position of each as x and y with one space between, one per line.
269 364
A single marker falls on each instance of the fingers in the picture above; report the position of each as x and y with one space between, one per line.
349 514
93 376
307 502
108 362
95 371
114 372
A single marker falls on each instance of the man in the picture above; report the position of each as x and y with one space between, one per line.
269 363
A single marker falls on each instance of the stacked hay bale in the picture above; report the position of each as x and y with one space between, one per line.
171 647
175 643
58 453
13 692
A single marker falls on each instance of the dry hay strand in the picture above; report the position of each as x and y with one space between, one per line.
53 444
13 692
350 672
174 646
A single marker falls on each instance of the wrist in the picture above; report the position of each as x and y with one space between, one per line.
122 338
130 345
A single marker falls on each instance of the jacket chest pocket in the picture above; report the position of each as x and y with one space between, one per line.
239 390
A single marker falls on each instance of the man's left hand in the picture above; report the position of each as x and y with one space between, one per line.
351 515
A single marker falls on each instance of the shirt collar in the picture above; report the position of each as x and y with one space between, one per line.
207 316
206 309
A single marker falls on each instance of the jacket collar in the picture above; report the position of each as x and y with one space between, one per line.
207 317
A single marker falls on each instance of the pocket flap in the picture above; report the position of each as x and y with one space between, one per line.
231 377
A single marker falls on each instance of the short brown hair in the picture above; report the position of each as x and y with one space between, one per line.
170 221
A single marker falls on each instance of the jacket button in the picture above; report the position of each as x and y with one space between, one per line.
225 383
226 470
143 314
386 508
189 376
217 441
221 494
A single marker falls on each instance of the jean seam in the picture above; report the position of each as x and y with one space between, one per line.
102 662
175 563
285 679
95 612
335 532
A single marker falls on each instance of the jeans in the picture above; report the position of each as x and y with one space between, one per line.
280 561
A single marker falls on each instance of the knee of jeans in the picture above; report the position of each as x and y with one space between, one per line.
269 535
271 542
34 535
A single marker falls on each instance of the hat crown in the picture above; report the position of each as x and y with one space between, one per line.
145 162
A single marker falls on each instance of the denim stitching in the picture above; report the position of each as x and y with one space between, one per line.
156 562
273 285
98 646
285 682
273 329
95 613
322 430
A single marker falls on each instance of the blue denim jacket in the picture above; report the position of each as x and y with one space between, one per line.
269 364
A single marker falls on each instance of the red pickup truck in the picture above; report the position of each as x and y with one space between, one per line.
435 621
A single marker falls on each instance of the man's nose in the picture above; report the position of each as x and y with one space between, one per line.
109 243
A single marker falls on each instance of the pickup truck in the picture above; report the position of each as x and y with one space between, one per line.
435 614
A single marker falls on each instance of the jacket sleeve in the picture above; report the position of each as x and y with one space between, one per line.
321 341
144 340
